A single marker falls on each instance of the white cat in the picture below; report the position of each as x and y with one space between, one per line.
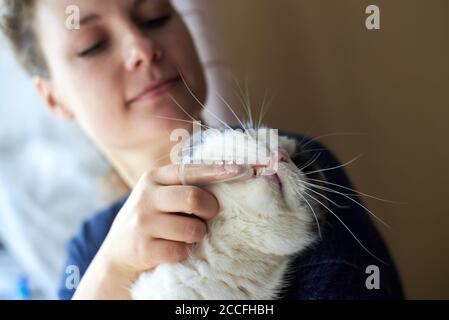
263 223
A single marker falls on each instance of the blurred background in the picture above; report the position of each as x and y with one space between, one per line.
330 75
380 93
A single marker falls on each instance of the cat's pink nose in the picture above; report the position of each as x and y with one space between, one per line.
272 166
277 158
281 157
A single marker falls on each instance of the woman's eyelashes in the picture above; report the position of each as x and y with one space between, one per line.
92 50
155 23
100 46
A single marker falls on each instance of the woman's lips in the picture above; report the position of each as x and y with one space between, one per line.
154 91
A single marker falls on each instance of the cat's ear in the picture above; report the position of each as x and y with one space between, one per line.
288 144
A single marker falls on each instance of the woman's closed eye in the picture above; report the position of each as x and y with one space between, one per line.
94 49
101 45
155 23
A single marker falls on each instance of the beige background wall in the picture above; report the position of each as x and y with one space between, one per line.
330 75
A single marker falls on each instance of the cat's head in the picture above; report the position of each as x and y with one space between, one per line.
272 191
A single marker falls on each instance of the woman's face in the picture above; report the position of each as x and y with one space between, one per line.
119 75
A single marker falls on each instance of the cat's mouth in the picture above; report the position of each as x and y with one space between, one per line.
268 174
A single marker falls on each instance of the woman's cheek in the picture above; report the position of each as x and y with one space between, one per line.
184 53
98 113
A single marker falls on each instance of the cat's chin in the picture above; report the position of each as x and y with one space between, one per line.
289 177
274 180
275 185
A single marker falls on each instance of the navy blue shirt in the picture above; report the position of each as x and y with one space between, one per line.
337 267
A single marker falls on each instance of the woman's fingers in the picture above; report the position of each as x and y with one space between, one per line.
178 228
196 174
185 199
149 229
161 251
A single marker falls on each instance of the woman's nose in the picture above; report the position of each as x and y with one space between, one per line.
140 51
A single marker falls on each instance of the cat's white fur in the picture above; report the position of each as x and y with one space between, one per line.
258 231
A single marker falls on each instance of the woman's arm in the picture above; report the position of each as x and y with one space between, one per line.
102 281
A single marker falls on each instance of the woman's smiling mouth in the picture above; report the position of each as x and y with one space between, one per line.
154 90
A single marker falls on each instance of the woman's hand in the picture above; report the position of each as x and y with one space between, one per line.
149 230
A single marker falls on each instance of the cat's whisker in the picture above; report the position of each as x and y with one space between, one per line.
295 154
262 112
314 214
334 168
347 228
184 110
303 145
238 92
248 99
245 104
323 196
356 193
351 199
243 124
230 108
310 162
184 120
242 105
199 102
194 121
259 121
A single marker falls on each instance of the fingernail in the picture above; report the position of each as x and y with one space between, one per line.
234 169
232 172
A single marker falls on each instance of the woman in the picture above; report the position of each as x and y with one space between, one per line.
119 77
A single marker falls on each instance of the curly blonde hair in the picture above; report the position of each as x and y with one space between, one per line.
17 23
